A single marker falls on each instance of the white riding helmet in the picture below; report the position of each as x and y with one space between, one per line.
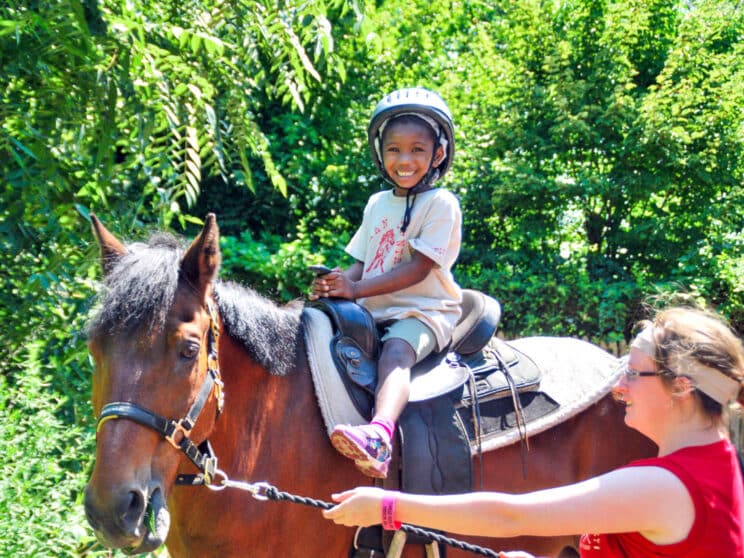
424 104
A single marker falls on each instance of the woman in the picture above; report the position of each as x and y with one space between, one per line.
683 370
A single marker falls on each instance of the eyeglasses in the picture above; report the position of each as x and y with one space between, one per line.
631 374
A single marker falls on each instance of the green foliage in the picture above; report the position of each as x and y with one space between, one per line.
40 511
599 163
127 107
615 148
277 268
46 434
557 299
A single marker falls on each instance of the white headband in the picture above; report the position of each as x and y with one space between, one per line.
645 342
712 382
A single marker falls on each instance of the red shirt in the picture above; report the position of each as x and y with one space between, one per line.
713 479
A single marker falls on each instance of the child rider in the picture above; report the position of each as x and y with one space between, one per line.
404 250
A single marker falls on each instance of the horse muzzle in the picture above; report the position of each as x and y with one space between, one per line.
134 520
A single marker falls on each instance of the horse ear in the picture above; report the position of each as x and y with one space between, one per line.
111 248
201 261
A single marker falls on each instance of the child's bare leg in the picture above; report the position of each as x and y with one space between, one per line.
394 379
369 445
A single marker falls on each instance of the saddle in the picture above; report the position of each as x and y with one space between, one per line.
356 345
511 389
442 421
437 426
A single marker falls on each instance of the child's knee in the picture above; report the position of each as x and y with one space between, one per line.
397 353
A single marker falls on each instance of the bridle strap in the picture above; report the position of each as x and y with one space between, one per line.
177 431
122 409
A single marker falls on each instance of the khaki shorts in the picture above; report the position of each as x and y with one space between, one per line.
414 332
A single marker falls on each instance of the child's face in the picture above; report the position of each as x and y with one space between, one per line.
407 150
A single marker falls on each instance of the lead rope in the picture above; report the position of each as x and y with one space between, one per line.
263 491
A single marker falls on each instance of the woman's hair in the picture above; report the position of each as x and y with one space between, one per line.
697 338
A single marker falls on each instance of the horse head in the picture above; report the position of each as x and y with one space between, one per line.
153 342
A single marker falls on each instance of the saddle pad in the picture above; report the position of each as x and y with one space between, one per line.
333 399
575 375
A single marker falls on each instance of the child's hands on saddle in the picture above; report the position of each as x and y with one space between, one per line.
332 284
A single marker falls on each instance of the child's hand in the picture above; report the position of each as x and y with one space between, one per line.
340 286
319 287
323 284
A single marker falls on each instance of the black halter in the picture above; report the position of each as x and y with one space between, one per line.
177 431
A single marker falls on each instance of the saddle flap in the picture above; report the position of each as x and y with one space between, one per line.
341 400
436 375
360 366
353 320
354 348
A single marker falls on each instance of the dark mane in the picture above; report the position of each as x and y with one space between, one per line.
272 335
138 292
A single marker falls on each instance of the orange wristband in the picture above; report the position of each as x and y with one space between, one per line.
388 513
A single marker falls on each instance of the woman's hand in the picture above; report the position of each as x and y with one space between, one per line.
361 506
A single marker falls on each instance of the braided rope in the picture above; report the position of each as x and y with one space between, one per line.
273 493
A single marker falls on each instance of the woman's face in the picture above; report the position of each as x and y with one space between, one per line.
407 152
647 399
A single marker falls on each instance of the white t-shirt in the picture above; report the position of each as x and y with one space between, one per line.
434 231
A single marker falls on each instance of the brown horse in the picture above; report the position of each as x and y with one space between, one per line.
155 341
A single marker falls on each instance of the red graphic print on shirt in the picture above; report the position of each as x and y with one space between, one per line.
400 246
387 241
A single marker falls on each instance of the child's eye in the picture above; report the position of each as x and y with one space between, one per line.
391 149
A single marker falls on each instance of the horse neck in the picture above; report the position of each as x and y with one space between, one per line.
263 412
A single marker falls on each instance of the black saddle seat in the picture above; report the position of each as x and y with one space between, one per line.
356 346
478 323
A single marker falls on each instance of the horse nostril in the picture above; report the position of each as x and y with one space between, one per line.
132 507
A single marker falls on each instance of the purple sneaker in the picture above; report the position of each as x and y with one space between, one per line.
365 446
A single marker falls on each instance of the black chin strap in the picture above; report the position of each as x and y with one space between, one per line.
409 209
431 175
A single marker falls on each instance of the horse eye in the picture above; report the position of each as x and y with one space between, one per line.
190 350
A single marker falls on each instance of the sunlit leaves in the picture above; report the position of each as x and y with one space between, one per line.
142 101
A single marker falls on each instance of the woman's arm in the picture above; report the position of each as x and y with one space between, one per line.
649 500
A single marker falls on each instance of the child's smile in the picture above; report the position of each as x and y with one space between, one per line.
407 153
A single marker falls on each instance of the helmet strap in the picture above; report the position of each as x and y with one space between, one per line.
430 176
409 208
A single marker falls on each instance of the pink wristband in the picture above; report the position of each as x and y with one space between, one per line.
388 513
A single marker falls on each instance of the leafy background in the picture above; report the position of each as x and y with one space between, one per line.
599 166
